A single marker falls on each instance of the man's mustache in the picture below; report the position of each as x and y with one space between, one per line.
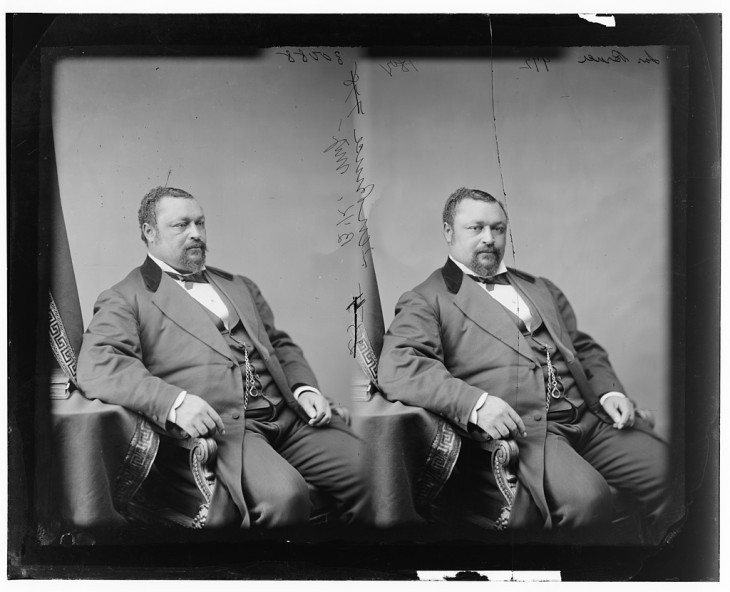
197 245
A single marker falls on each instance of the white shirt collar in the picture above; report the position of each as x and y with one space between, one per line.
501 269
164 266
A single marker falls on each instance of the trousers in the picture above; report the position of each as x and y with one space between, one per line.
282 455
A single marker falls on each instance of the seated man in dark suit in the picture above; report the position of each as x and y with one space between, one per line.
195 347
498 353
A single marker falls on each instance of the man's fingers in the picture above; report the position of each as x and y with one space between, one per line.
317 417
217 421
511 426
202 427
322 418
518 422
627 416
493 433
318 409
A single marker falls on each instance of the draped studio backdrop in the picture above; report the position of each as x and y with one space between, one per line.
290 149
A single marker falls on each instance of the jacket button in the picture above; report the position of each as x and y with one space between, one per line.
155 418
457 420
533 365
230 365
236 415
537 418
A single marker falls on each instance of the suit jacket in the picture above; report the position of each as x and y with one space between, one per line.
148 341
450 341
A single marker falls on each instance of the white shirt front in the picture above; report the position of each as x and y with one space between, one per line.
507 295
202 292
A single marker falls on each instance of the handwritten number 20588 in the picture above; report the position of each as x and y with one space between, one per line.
314 55
534 64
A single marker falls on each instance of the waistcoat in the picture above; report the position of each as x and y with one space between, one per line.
239 341
539 337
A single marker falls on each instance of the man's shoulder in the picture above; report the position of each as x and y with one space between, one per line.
226 275
434 283
528 277
236 278
132 281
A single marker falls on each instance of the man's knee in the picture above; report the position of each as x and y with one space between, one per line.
348 486
587 503
288 504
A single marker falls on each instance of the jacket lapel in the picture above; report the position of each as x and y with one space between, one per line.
241 300
539 297
490 315
187 313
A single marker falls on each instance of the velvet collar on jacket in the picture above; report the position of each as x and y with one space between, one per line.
152 274
453 276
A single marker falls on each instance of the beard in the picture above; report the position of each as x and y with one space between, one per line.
486 269
191 259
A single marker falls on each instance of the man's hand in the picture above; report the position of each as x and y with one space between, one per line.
499 420
620 410
317 407
197 418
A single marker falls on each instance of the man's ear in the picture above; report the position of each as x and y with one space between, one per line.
448 232
149 232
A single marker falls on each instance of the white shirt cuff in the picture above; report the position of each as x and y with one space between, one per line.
172 416
611 394
480 401
304 388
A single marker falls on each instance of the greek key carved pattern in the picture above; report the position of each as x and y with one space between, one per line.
140 455
364 352
60 343
442 456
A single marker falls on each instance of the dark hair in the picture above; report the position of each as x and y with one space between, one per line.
464 193
148 208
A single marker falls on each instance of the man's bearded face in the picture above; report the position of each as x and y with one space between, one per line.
478 236
179 237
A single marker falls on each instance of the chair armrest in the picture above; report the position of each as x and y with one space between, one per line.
504 462
203 455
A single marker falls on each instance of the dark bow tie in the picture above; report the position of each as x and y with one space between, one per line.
497 279
198 277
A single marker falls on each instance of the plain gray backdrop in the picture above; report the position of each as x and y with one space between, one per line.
584 152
